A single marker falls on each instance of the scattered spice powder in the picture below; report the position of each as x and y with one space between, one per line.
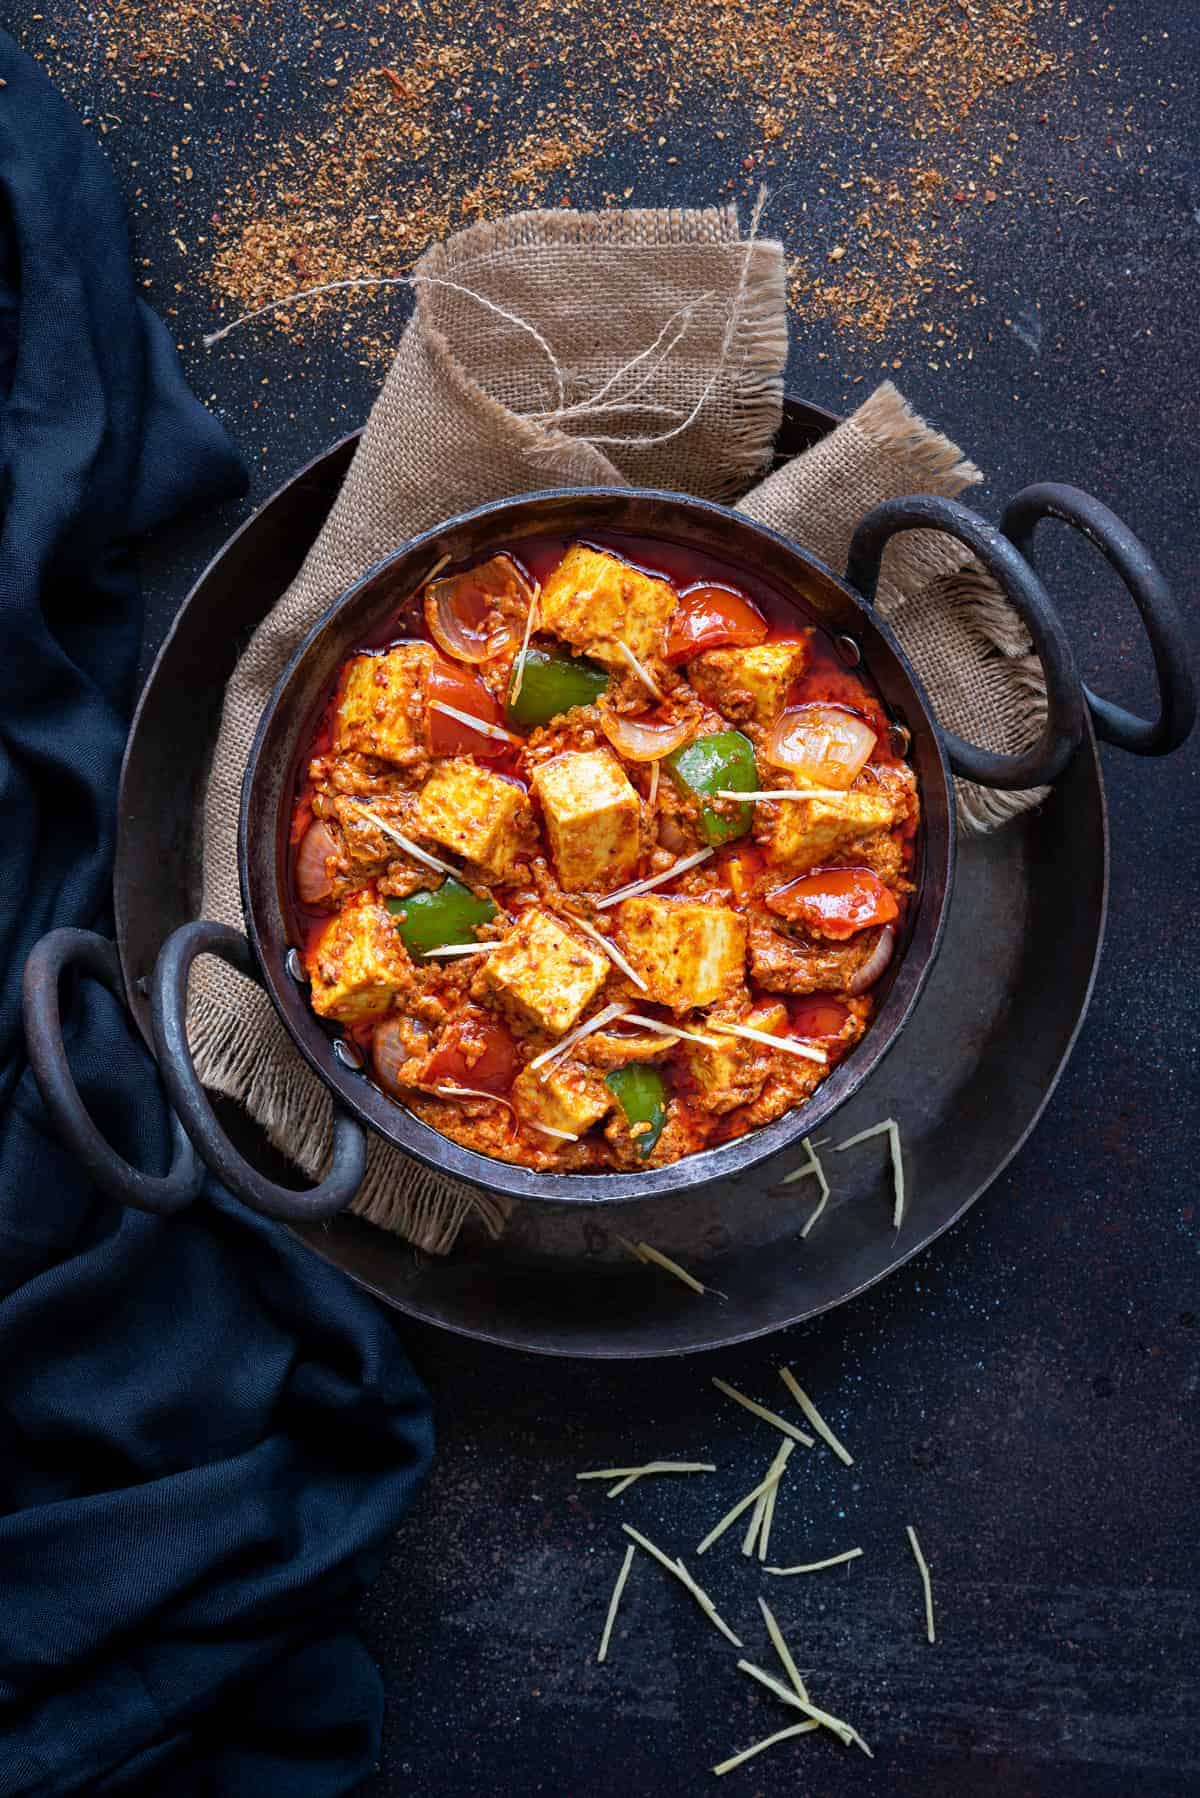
880 130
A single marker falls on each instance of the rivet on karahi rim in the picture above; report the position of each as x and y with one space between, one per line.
848 651
348 1054
295 966
900 738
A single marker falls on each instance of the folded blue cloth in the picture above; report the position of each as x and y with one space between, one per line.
206 1435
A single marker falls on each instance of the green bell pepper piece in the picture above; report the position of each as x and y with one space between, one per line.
429 920
708 764
643 1098
552 684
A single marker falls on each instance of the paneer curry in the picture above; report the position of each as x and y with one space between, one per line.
598 853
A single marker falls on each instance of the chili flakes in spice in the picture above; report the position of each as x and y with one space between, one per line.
431 114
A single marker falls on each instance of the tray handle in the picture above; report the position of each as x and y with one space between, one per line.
1145 584
95 955
168 1000
1063 731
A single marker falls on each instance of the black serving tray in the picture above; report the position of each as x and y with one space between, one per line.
967 1082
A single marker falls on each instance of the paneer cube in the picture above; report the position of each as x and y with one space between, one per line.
567 1099
358 964
381 706
807 831
770 1016
688 953
594 600
731 1072
473 812
366 849
544 973
750 683
592 819
718 1071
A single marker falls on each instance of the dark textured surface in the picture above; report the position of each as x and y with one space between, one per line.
1026 1393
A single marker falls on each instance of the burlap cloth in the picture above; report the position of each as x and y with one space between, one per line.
599 349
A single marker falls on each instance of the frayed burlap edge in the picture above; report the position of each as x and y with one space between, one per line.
895 429
984 809
756 346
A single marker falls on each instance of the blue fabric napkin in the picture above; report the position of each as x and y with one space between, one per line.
206 1435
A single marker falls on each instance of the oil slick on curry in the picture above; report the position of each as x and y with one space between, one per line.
564 722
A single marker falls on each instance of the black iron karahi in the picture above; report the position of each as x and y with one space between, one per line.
841 608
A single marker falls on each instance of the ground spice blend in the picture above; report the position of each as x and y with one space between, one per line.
338 143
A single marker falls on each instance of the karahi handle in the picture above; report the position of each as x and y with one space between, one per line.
1017 580
1146 586
95 955
168 996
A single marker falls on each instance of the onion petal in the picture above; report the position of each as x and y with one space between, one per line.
391 1048
314 882
640 741
876 963
828 745
616 1048
449 603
